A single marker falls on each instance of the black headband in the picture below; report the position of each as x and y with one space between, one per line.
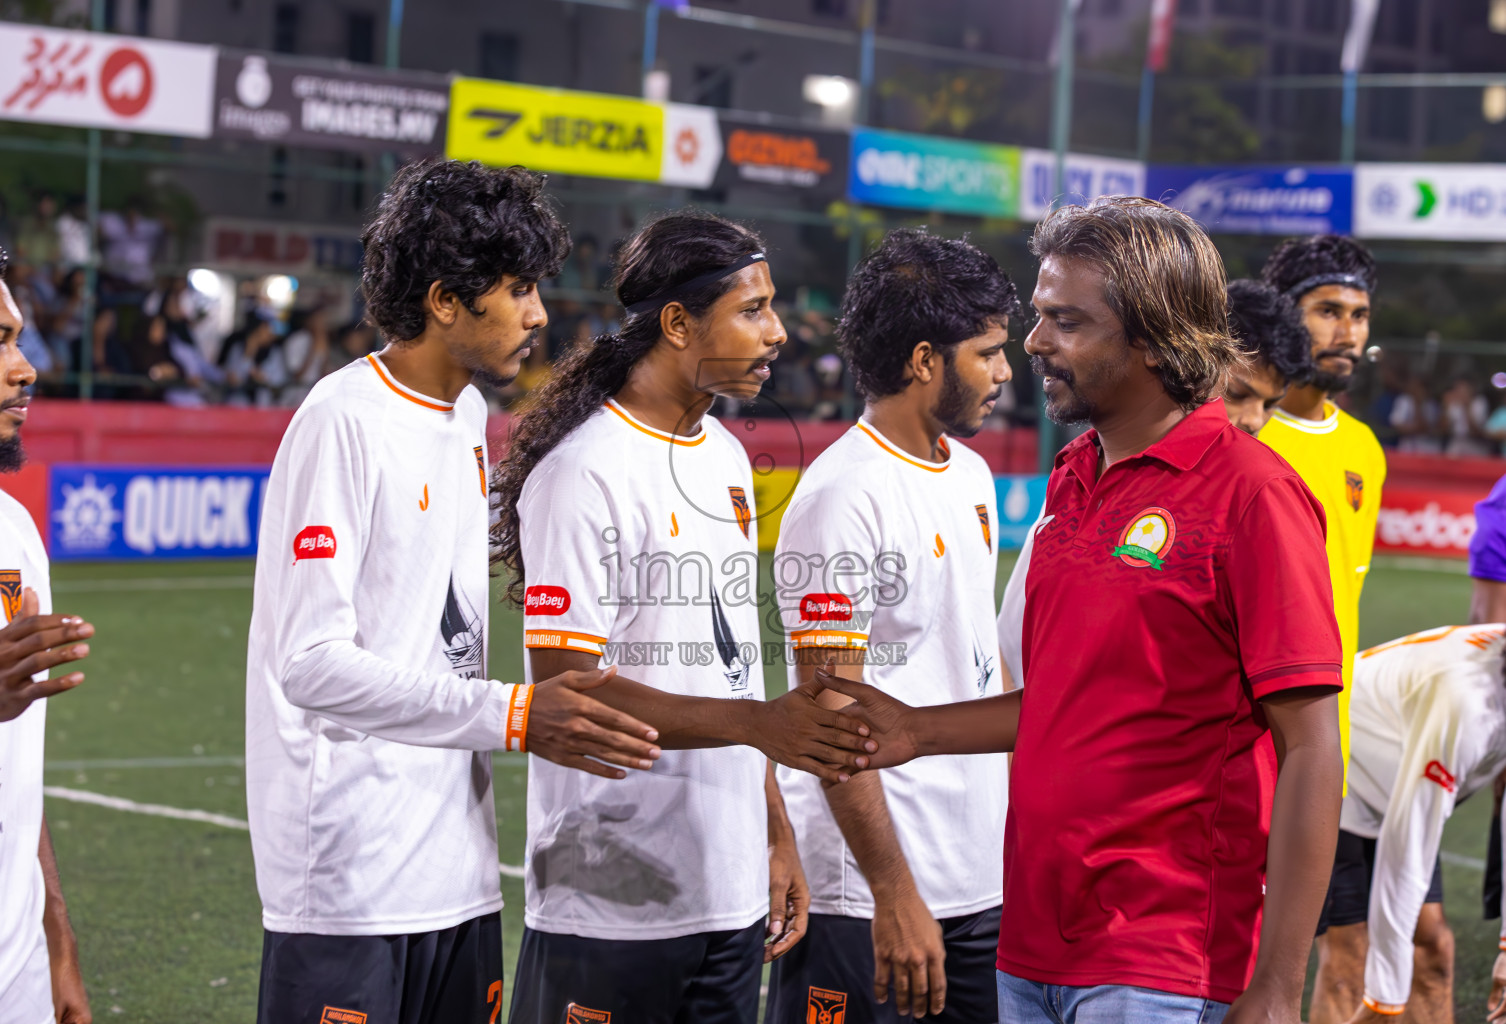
1307 284
674 292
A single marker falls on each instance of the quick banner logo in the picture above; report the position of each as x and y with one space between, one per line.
179 512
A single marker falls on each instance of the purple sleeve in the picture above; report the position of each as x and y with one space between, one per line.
1487 548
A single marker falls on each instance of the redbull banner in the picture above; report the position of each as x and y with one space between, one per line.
117 513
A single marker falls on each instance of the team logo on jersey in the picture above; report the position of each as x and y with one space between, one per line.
674 525
464 638
1354 487
825 608
988 537
544 600
940 548
1147 539
423 503
983 666
740 508
481 467
735 666
826 1007
314 542
1436 772
335 1015
10 592
578 1014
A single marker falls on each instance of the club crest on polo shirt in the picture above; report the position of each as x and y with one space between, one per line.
988 540
10 592
1354 489
1147 539
740 508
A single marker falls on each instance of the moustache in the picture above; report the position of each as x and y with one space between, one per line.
21 399
1332 353
1039 367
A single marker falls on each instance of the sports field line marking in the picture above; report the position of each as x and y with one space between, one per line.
116 803
509 758
102 586
1459 860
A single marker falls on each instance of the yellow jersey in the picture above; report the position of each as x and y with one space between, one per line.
1344 466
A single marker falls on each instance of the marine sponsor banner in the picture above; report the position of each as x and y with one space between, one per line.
1261 200
929 173
275 247
1464 202
783 159
273 99
1418 521
1087 177
556 130
95 80
104 512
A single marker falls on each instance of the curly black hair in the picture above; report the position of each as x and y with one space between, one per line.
1268 326
664 253
461 224
916 287
1297 260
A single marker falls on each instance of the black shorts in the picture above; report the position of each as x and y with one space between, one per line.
829 975
1348 899
708 978
452 975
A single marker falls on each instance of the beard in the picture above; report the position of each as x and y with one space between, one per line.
1328 381
12 453
1069 409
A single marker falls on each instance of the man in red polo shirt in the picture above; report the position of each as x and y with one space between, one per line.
1178 606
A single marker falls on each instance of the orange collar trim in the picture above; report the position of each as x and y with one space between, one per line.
628 418
931 467
406 392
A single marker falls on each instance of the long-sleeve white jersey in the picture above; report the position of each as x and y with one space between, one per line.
25 981
1428 728
369 717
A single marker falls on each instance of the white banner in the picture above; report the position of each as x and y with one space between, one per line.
692 146
96 80
1463 202
1088 177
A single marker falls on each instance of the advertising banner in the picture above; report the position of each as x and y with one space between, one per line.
1463 202
783 159
692 146
1434 523
1258 200
555 130
94 80
273 99
272 247
1088 177
928 173
105 512
1020 500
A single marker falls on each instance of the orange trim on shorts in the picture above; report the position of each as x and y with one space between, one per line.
402 392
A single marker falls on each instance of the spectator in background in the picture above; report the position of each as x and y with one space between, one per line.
65 326
1414 417
252 361
128 247
37 235
357 340
1464 413
149 356
583 269
32 343
305 353
1393 381
74 244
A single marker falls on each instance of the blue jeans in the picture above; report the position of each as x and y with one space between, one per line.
1030 1002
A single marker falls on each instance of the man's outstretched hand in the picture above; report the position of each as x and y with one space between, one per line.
798 732
32 643
568 726
889 722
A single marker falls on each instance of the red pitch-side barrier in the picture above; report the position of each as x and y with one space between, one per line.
1427 506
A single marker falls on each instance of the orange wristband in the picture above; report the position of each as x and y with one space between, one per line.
515 728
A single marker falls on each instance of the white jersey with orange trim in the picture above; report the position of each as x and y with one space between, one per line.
894 555
369 718
641 547
25 975
1011 625
1428 727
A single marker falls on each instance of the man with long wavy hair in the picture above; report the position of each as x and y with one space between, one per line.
1155 662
